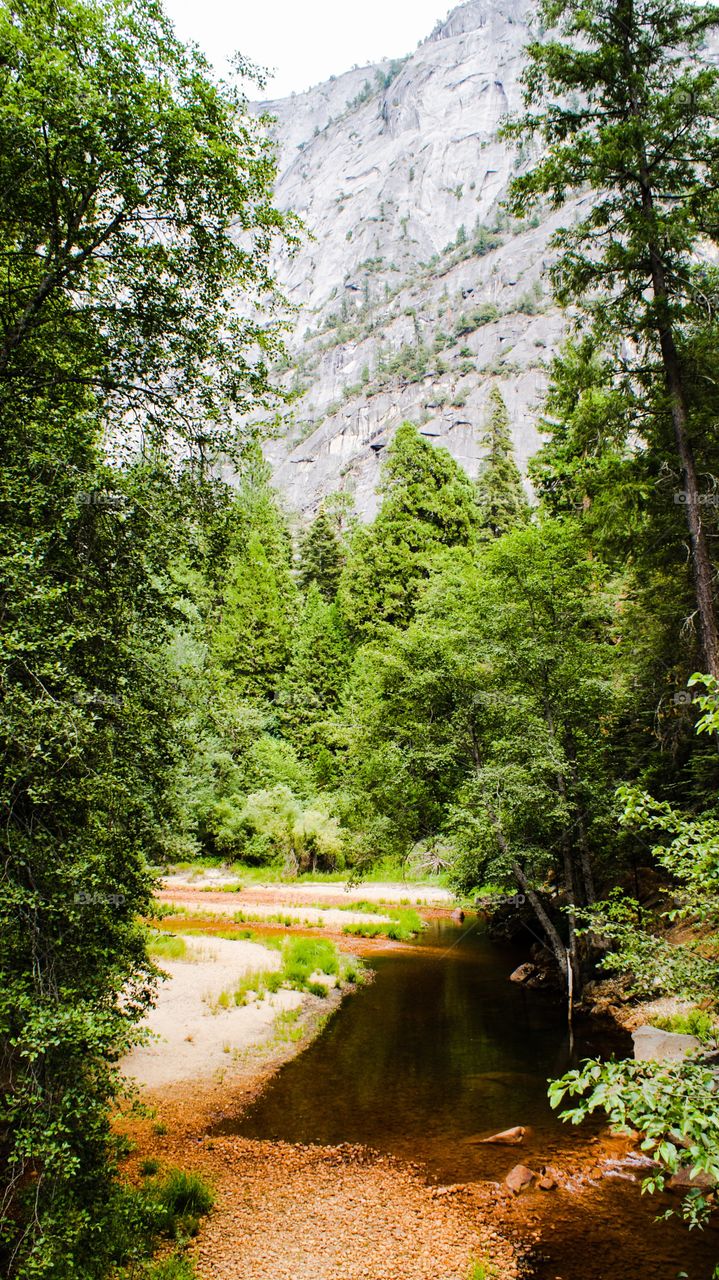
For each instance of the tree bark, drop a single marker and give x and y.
(671, 362)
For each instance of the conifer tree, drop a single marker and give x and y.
(311, 686)
(502, 500)
(621, 103)
(428, 506)
(321, 557)
(251, 640)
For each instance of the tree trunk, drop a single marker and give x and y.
(701, 559)
(559, 950)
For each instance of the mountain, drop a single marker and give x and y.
(415, 293)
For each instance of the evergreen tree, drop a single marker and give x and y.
(321, 557)
(428, 507)
(641, 131)
(252, 633)
(311, 686)
(502, 501)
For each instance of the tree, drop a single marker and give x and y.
(123, 168)
(321, 557)
(641, 131)
(476, 727)
(673, 1106)
(502, 500)
(428, 507)
(310, 689)
(251, 635)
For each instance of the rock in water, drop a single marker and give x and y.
(524, 973)
(683, 1181)
(653, 1045)
(507, 1138)
(547, 1182)
(521, 1179)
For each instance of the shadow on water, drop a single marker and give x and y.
(441, 1048)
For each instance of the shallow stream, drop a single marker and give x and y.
(440, 1049)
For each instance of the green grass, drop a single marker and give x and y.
(177, 1267)
(269, 940)
(479, 1270)
(167, 947)
(405, 924)
(261, 982)
(301, 958)
(286, 1028)
(277, 917)
(148, 1168)
(304, 956)
(694, 1023)
(175, 1202)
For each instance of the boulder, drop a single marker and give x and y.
(507, 1138)
(525, 973)
(653, 1045)
(521, 1179)
(683, 1181)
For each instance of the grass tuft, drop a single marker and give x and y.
(405, 924)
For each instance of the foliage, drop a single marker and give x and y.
(428, 505)
(675, 1108)
(321, 556)
(640, 131)
(110, 130)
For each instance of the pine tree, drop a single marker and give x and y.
(251, 637)
(311, 686)
(428, 506)
(641, 130)
(322, 557)
(502, 501)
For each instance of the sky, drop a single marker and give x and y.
(305, 40)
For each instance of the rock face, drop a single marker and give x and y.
(416, 294)
(653, 1045)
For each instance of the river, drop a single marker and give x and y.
(441, 1048)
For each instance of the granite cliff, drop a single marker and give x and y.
(415, 292)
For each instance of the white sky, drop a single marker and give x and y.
(305, 40)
